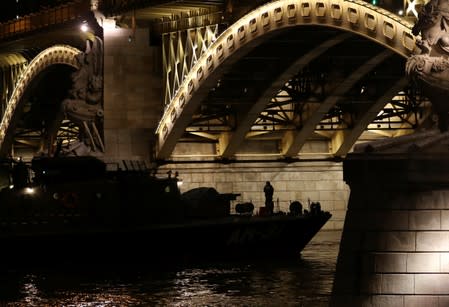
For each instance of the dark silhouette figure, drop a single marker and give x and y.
(315, 208)
(296, 208)
(269, 190)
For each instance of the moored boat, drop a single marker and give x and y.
(80, 209)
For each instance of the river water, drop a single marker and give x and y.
(305, 281)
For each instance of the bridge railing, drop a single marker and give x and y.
(42, 19)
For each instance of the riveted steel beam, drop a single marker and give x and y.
(343, 140)
(11, 66)
(228, 149)
(58, 54)
(292, 143)
(354, 16)
(180, 52)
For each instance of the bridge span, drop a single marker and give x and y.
(283, 80)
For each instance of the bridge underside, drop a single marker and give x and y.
(296, 93)
(40, 100)
(306, 92)
(41, 104)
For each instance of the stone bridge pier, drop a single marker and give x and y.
(395, 243)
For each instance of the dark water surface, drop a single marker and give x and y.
(305, 281)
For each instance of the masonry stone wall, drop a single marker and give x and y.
(132, 93)
(394, 249)
(317, 181)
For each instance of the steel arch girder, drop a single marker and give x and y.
(228, 147)
(58, 54)
(293, 143)
(343, 140)
(372, 22)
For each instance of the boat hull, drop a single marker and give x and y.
(77, 210)
(234, 237)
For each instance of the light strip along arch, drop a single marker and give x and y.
(355, 16)
(58, 54)
(11, 66)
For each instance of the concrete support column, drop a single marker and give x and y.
(395, 242)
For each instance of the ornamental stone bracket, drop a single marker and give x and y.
(430, 67)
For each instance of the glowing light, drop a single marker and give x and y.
(410, 6)
(400, 12)
(29, 190)
(109, 24)
(84, 27)
(179, 183)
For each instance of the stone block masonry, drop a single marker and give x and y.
(317, 181)
(132, 93)
(395, 242)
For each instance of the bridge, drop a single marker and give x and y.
(231, 93)
(288, 87)
(283, 80)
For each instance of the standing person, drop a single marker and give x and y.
(269, 190)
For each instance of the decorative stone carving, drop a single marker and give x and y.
(84, 106)
(433, 23)
(431, 65)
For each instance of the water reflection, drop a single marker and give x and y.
(306, 281)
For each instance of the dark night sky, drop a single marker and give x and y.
(9, 9)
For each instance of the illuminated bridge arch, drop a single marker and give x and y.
(355, 16)
(58, 54)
